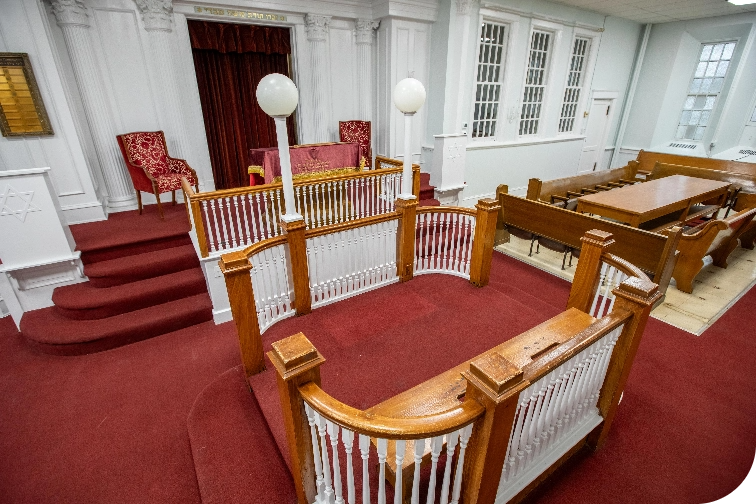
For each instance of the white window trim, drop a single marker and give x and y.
(590, 65)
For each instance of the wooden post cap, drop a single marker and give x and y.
(495, 372)
(402, 204)
(488, 204)
(294, 355)
(639, 290)
(234, 261)
(289, 226)
(597, 237)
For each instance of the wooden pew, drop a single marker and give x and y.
(577, 185)
(651, 252)
(717, 238)
(646, 160)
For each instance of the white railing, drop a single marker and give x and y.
(272, 286)
(328, 202)
(344, 263)
(554, 411)
(444, 241)
(614, 271)
(347, 445)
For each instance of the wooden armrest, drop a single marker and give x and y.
(559, 198)
(603, 187)
(589, 191)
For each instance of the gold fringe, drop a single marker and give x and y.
(256, 170)
(327, 173)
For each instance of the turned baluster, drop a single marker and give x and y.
(588, 271)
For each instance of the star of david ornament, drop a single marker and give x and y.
(16, 203)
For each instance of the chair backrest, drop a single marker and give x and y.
(355, 131)
(147, 149)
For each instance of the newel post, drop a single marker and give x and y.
(296, 256)
(297, 362)
(405, 238)
(496, 383)
(416, 181)
(483, 241)
(588, 271)
(637, 295)
(236, 270)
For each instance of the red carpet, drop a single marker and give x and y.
(145, 281)
(112, 426)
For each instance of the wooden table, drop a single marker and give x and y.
(639, 203)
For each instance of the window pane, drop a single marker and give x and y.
(685, 117)
(722, 68)
(690, 132)
(535, 82)
(700, 100)
(704, 118)
(488, 86)
(709, 102)
(574, 80)
(728, 50)
(689, 102)
(716, 53)
(680, 132)
(706, 52)
(695, 117)
(699, 133)
(716, 86)
(695, 86)
(700, 69)
(705, 85)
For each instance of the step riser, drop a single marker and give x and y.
(135, 303)
(106, 254)
(156, 271)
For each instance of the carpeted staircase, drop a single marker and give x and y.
(144, 281)
(427, 191)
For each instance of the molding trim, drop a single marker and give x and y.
(70, 12)
(541, 17)
(317, 27)
(156, 14)
(364, 30)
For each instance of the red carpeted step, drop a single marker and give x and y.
(424, 178)
(240, 462)
(141, 266)
(108, 253)
(54, 334)
(429, 202)
(85, 302)
(427, 192)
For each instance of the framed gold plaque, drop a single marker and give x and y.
(22, 112)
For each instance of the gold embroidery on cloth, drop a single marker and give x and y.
(312, 165)
(258, 170)
(328, 173)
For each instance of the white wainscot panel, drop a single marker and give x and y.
(125, 69)
(343, 85)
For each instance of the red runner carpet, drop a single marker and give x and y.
(112, 426)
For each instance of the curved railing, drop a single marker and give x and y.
(444, 240)
(614, 271)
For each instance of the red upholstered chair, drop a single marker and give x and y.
(150, 166)
(358, 132)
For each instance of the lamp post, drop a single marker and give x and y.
(409, 96)
(278, 97)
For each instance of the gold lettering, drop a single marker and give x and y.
(198, 9)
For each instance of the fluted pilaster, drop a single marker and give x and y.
(157, 16)
(73, 19)
(317, 34)
(364, 34)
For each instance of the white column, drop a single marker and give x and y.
(364, 32)
(317, 34)
(157, 17)
(457, 74)
(282, 136)
(407, 164)
(73, 19)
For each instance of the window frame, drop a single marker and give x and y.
(586, 77)
(501, 82)
(548, 70)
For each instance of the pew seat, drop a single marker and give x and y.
(717, 238)
(567, 188)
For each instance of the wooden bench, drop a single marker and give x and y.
(717, 238)
(653, 253)
(646, 161)
(578, 185)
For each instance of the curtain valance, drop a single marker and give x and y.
(233, 38)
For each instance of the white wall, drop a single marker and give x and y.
(670, 60)
(24, 28)
(509, 158)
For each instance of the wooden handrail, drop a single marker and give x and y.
(195, 215)
(230, 260)
(420, 427)
(624, 266)
(447, 209)
(343, 226)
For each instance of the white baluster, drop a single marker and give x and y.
(436, 445)
(319, 484)
(210, 233)
(451, 444)
(254, 204)
(216, 231)
(247, 235)
(418, 453)
(463, 439)
(365, 453)
(400, 446)
(231, 229)
(333, 433)
(328, 492)
(347, 437)
(226, 240)
(382, 445)
(265, 212)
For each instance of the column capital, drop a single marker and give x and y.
(317, 26)
(156, 14)
(463, 6)
(70, 12)
(364, 29)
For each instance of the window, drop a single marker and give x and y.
(488, 80)
(705, 86)
(535, 83)
(574, 84)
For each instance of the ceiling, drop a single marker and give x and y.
(660, 11)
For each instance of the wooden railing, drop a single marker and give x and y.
(305, 268)
(529, 404)
(230, 219)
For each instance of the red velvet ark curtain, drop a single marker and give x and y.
(230, 60)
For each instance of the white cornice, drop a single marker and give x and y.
(541, 17)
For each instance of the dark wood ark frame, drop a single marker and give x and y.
(9, 98)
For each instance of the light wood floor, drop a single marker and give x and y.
(715, 289)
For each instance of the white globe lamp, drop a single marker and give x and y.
(409, 96)
(278, 97)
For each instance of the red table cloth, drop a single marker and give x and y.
(306, 160)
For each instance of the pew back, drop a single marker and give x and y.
(746, 182)
(651, 252)
(646, 161)
(543, 189)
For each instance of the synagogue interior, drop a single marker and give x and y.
(371, 251)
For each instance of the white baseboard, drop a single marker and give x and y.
(222, 316)
(84, 212)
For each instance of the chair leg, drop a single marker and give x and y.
(160, 206)
(531, 246)
(571, 255)
(173, 197)
(564, 257)
(139, 201)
